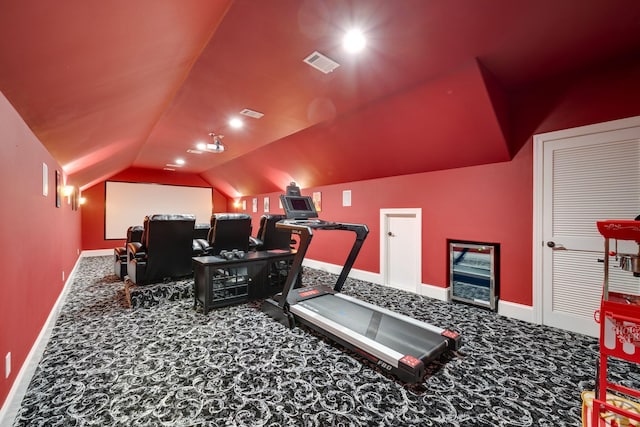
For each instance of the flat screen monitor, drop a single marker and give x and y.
(298, 207)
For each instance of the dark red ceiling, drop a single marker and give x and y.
(109, 85)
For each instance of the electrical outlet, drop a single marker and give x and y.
(7, 365)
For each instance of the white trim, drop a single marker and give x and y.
(11, 405)
(516, 311)
(505, 308)
(435, 292)
(367, 276)
(384, 214)
(538, 193)
(97, 252)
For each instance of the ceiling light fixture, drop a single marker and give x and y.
(354, 41)
(180, 162)
(236, 123)
(215, 146)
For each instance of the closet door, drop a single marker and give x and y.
(586, 177)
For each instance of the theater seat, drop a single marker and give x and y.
(134, 234)
(164, 251)
(200, 234)
(269, 237)
(228, 231)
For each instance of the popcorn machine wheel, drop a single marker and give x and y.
(619, 324)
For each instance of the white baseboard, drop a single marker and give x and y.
(97, 252)
(435, 292)
(11, 405)
(367, 276)
(505, 308)
(516, 311)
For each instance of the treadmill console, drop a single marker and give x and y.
(298, 207)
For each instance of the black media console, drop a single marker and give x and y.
(219, 282)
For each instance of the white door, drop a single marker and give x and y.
(400, 252)
(588, 174)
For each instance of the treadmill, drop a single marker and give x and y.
(396, 343)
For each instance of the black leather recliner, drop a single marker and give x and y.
(200, 234)
(269, 237)
(134, 234)
(164, 251)
(228, 231)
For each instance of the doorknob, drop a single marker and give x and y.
(555, 246)
(390, 234)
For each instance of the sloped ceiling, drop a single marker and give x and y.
(110, 85)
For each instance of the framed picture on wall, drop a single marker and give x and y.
(255, 204)
(266, 204)
(58, 189)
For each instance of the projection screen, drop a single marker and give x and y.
(127, 203)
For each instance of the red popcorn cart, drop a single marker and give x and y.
(619, 318)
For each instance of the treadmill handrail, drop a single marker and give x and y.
(306, 234)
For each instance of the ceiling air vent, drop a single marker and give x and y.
(251, 113)
(321, 62)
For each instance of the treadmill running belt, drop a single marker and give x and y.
(403, 337)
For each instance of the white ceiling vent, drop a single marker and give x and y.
(321, 62)
(251, 113)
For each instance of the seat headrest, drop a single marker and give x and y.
(230, 216)
(171, 217)
(276, 217)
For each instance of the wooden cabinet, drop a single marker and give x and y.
(219, 282)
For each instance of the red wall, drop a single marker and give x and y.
(94, 208)
(483, 203)
(40, 241)
(491, 202)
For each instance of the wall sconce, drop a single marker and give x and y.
(82, 200)
(67, 190)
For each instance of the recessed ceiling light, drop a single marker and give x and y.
(235, 123)
(354, 41)
(180, 162)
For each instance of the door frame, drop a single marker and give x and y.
(538, 194)
(384, 268)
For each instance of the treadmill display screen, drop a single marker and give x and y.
(300, 204)
(298, 207)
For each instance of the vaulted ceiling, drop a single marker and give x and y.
(110, 85)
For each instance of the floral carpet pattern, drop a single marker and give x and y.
(170, 365)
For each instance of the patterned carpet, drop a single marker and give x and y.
(168, 365)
